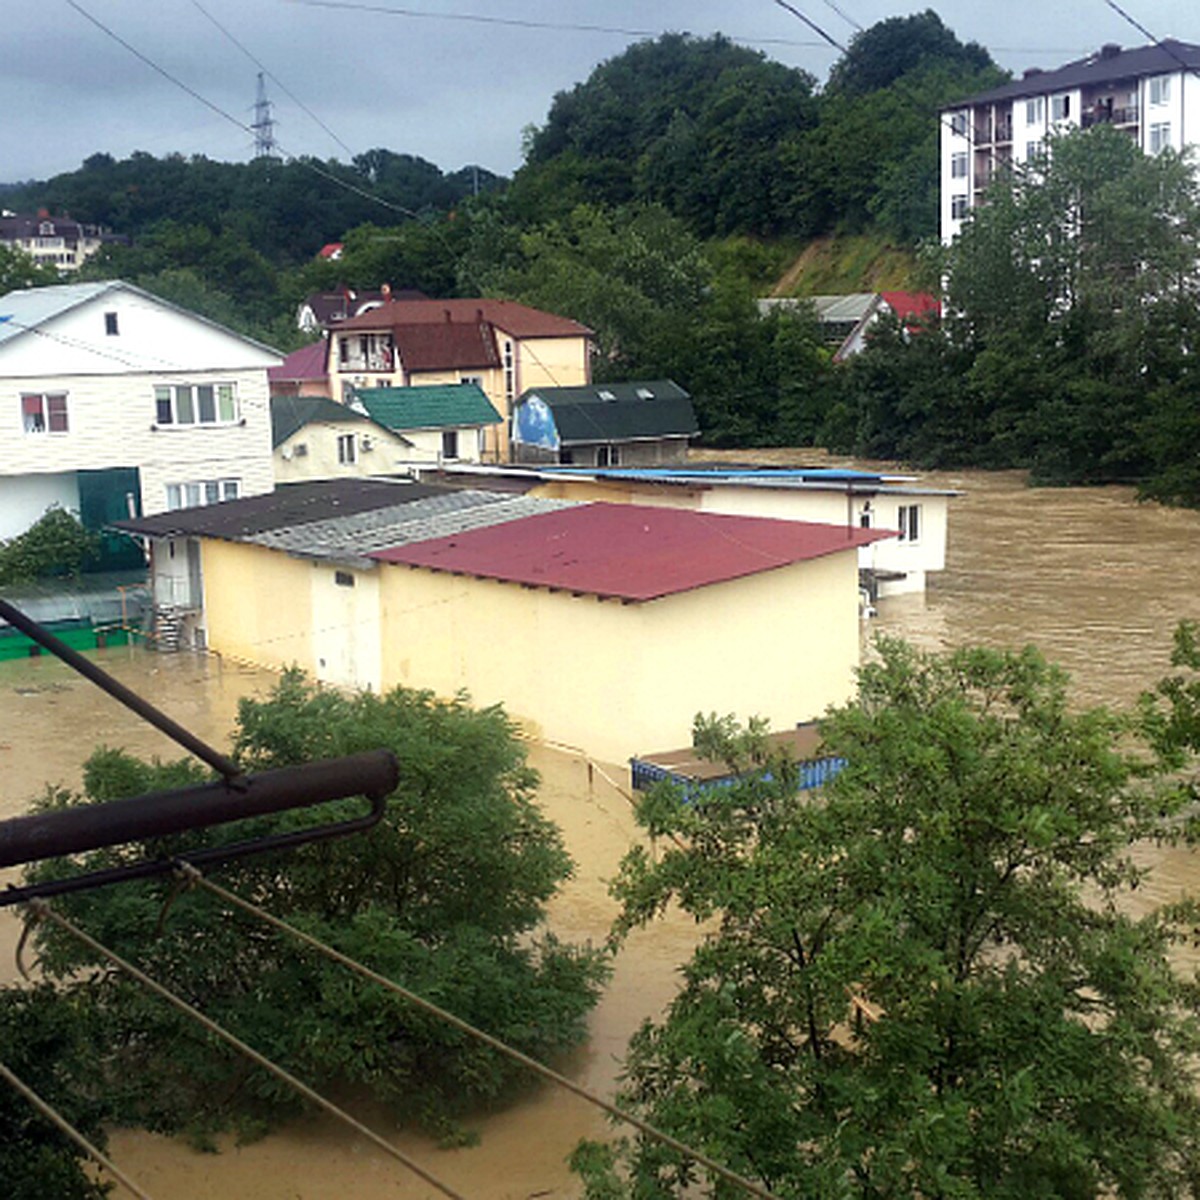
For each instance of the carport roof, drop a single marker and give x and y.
(629, 552)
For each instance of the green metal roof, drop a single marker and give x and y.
(292, 413)
(430, 406)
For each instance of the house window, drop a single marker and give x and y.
(449, 443)
(958, 207)
(110, 324)
(343, 578)
(1160, 137)
(1160, 89)
(958, 123)
(347, 449)
(44, 413)
(195, 404)
(1035, 110)
(477, 380)
(910, 522)
(1060, 108)
(958, 165)
(608, 456)
(198, 492)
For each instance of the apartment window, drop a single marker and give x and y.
(1160, 89)
(958, 165)
(958, 123)
(449, 443)
(1033, 151)
(958, 207)
(44, 413)
(1060, 108)
(195, 404)
(1035, 110)
(1160, 137)
(198, 492)
(110, 324)
(910, 522)
(347, 449)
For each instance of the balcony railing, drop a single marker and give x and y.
(1110, 116)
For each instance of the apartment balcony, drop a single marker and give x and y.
(1105, 115)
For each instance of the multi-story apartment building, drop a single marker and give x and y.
(1151, 93)
(57, 242)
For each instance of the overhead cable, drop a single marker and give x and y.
(651, 1131)
(42, 911)
(64, 1126)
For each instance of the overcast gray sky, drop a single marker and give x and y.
(421, 78)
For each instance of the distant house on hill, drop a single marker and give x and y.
(114, 402)
(57, 242)
(500, 345)
(314, 437)
(320, 311)
(643, 423)
(846, 319)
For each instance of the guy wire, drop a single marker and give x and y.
(730, 1176)
(43, 910)
(64, 1126)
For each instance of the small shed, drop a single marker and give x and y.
(642, 423)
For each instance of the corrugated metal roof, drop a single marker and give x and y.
(428, 406)
(629, 552)
(294, 504)
(31, 307)
(355, 537)
(301, 365)
(614, 412)
(444, 346)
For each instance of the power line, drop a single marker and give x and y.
(195, 877)
(845, 17)
(273, 77)
(522, 23)
(42, 911)
(64, 1126)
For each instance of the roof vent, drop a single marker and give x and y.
(606, 395)
(1110, 50)
(645, 394)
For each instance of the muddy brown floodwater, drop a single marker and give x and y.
(1093, 578)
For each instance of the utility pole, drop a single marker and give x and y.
(263, 124)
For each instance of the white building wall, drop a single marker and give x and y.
(25, 500)
(109, 381)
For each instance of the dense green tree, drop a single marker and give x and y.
(43, 1043)
(56, 544)
(18, 271)
(447, 896)
(920, 982)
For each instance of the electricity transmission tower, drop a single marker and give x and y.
(263, 124)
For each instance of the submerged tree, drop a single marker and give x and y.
(920, 982)
(446, 896)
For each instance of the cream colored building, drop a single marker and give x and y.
(315, 438)
(601, 627)
(502, 346)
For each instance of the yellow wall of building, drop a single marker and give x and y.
(258, 604)
(620, 679)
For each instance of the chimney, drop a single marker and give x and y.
(1110, 50)
(1032, 72)
(43, 213)
(386, 291)
(447, 312)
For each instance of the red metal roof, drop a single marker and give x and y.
(307, 363)
(519, 320)
(912, 306)
(627, 551)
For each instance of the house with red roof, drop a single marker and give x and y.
(502, 346)
(601, 627)
(847, 319)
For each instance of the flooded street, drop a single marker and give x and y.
(1094, 579)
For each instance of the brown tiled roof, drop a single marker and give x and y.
(518, 320)
(445, 346)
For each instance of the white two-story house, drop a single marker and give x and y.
(1151, 94)
(114, 403)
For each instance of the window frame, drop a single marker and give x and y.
(347, 449)
(52, 410)
(959, 165)
(173, 400)
(1160, 132)
(909, 523)
(1160, 90)
(227, 487)
(1035, 110)
(960, 205)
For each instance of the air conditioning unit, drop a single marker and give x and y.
(302, 450)
(366, 443)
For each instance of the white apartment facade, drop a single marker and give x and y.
(1151, 93)
(117, 403)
